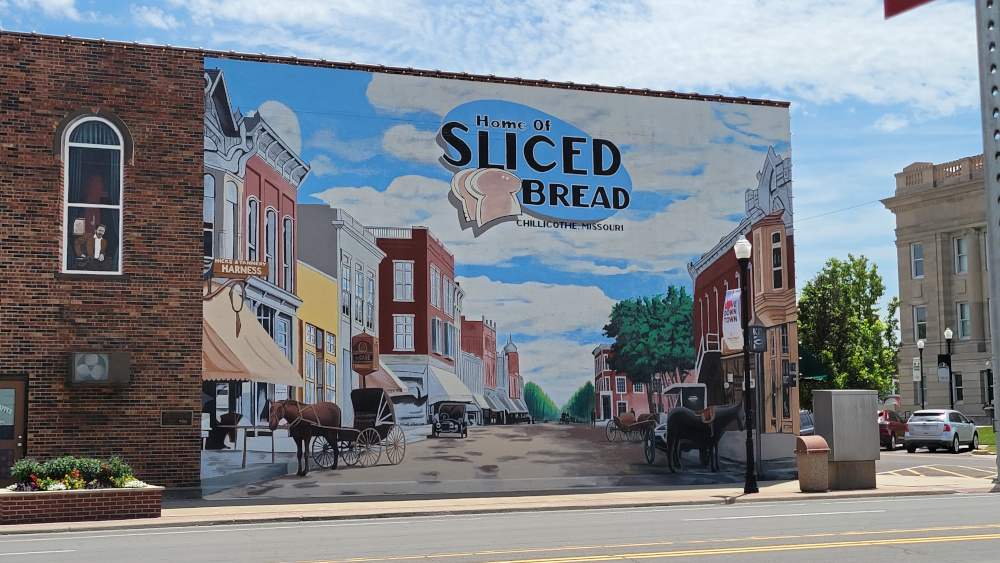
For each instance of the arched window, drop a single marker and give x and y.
(209, 237)
(92, 156)
(253, 228)
(287, 236)
(229, 246)
(271, 244)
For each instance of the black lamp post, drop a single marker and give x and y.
(743, 249)
(920, 348)
(951, 388)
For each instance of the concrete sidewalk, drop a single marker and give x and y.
(202, 512)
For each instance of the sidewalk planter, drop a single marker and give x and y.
(79, 505)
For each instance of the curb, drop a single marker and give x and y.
(327, 512)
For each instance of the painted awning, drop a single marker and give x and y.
(446, 386)
(521, 407)
(250, 356)
(481, 401)
(493, 398)
(386, 379)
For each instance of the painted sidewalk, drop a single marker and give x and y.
(201, 512)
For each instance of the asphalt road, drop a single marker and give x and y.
(918, 528)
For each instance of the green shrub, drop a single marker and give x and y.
(59, 467)
(23, 469)
(117, 469)
(89, 468)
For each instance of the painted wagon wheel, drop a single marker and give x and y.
(322, 452)
(395, 444)
(611, 430)
(348, 452)
(368, 447)
(649, 446)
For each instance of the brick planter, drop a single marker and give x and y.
(79, 504)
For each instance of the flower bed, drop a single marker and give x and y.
(71, 489)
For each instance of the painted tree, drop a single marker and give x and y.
(540, 406)
(652, 335)
(581, 403)
(840, 324)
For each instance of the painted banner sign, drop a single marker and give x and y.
(732, 327)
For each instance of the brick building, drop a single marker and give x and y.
(83, 146)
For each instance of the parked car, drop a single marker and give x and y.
(940, 428)
(891, 429)
(450, 418)
(806, 423)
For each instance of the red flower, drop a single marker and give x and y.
(33, 477)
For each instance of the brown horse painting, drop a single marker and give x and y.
(305, 420)
(686, 424)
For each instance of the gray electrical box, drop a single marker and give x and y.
(848, 420)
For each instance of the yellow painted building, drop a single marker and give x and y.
(318, 320)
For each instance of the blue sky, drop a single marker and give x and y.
(868, 96)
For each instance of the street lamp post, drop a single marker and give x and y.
(742, 249)
(920, 348)
(951, 388)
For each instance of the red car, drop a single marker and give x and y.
(891, 429)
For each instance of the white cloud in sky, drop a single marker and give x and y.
(154, 17)
(53, 8)
(890, 122)
(322, 165)
(352, 150)
(406, 142)
(284, 121)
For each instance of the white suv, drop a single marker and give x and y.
(933, 429)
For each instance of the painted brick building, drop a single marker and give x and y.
(96, 134)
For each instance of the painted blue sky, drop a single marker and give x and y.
(868, 97)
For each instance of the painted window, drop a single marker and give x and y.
(776, 267)
(310, 334)
(310, 367)
(93, 153)
(402, 280)
(282, 335)
(956, 381)
(253, 229)
(622, 407)
(919, 322)
(403, 333)
(287, 253)
(961, 255)
(370, 301)
(435, 286)
(620, 385)
(331, 344)
(917, 260)
(449, 340)
(209, 216)
(270, 244)
(964, 321)
(784, 338)
(345, 287)
(637, 387)
(331, 382)
(265, 315)
(448, 296)
(229, 215)
(359, 293)
(435, 335)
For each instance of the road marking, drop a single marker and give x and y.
(41, 552)
(781, 515)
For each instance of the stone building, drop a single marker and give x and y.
(943, 283)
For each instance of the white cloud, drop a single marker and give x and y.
(321, 165)
(409, 143)
(890, 122)
(285, 123)
(153, 17)
(53, 8)
(352, 150)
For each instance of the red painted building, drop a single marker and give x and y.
(479, 338)
(615, 393)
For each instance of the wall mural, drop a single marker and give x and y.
(531, 259)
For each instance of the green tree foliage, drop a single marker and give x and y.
(581, 403)
(540, 406)
(839, 323)
(652, 335)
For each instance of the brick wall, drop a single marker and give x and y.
(80, 505)
(153, 311)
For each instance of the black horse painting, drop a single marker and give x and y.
(304, 420)
(686, 424)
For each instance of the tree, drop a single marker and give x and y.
(581, 403)
(839, 324)
(540, 406)
(652, 335)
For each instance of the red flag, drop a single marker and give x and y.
(896, 7)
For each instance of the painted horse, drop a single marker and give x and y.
(305, 420)
(686, 424)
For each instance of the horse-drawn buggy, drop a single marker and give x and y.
(374, 430)
(629, 428)
(686, 430)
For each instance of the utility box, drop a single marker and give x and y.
(848, 420)
(812, 455)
